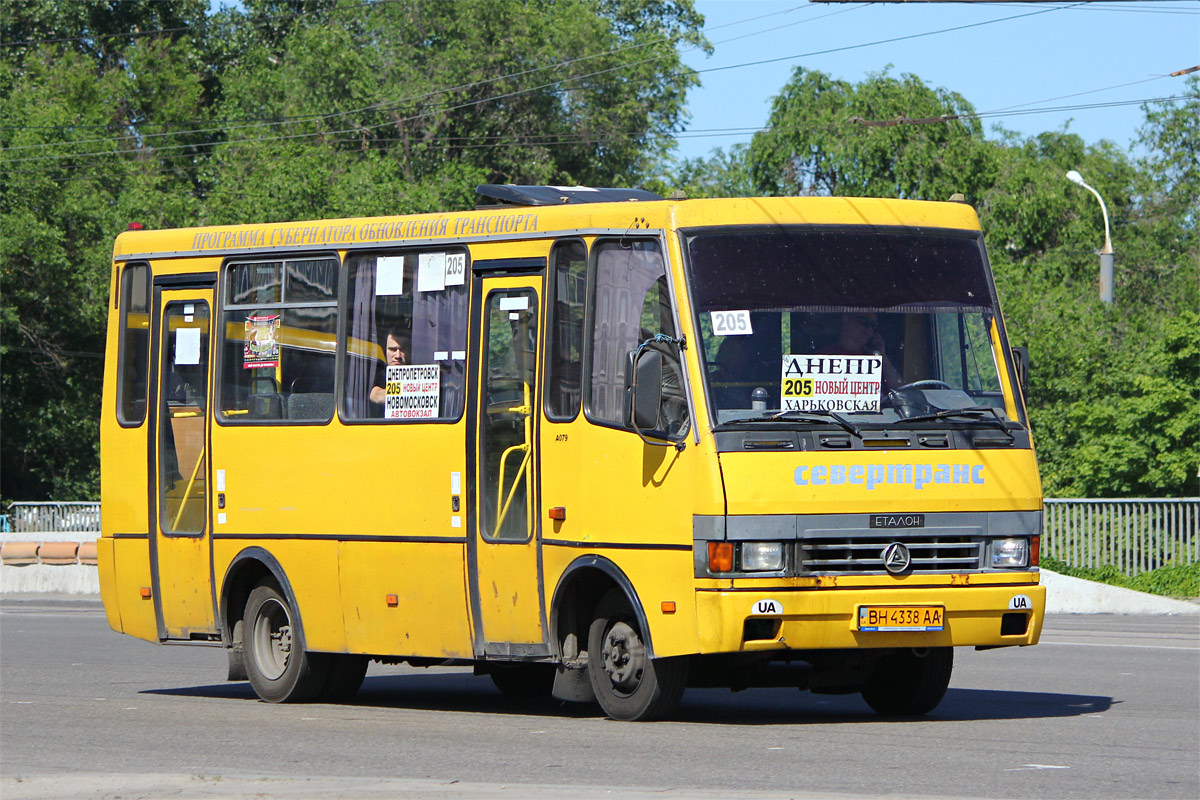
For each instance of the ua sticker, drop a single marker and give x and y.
(763, 607)
(1020, 602)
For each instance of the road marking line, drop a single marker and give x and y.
(1035, 766)
(1134, 646)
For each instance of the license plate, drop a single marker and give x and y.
(900, 618)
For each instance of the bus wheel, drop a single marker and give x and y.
(346, 673)
(910, 682)
(279, 669)
(527, 681)
(630, 685)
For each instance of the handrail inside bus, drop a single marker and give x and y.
(503, 502)
(191, 482)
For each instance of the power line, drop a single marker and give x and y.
(508, 95)
(458, 144)
(391, 104)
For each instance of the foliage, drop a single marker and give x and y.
(1171, 580)
(163, 113)
(830, 137)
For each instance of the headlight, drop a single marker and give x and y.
(762, 556)
(1010, 552)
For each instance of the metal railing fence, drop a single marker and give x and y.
(52, 518)
(1133, 535)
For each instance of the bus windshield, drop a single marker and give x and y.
(874, 325)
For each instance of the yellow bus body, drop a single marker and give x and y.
(371, 531)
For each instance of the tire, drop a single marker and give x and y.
(910, 682)
(629, 685)
(279, 669)
(345, 677)
(526, 681)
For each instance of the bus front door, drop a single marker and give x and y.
(180, 552)
(508, 614)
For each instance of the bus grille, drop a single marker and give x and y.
(854, 554)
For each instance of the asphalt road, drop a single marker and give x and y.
(1105, 707)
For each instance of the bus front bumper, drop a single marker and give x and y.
(781, 618)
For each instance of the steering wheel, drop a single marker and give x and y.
(926, 384)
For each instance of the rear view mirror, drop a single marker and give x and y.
(644, 384)
(1021, 364)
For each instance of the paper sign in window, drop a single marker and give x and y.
(431, 272)
(456, 269)
(517, 303)
(731, 323)
(187, 346)
(817, 382)
(413, 391)
(261, 348)
(389, 275)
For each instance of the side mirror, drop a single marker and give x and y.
(643, 389)
(1021, 364)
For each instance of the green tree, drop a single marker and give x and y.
(832, 137)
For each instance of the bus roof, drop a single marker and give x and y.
(503, 222)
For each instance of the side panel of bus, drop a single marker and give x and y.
(627, 505)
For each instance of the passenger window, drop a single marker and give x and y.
(406, 336)
(134, 357)
(631, 304)
(567, 290)
(279, 341)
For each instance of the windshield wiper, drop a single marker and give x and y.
(978, 413)
(816, 417)
(819, 416)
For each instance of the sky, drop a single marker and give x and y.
(1050, 56)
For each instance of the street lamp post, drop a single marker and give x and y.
(1106, 255)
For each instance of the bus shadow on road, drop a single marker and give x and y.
(784, 706)
(463, 692)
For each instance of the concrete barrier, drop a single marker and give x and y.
(49, 567)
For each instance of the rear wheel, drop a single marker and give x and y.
(279, 669)
(910, 682)
(628, 684)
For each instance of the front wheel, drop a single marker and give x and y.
(629, 685)
(910, 682)
(279, 669)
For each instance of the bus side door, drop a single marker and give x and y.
(181, 546)
(505, 568)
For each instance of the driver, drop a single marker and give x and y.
(859, 336)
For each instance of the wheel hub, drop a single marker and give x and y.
(624, 657)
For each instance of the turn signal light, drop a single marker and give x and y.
(720, 556)
(145, 591)
(1035, 551)
(558, 512)
(668, 606)
(392, 600)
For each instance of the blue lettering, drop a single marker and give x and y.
(801, 480)
(923, 474)
(837, 475)
(818, 475)
(876, 474)
(977, 474)
(856, 474)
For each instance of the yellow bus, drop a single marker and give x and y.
(595, 443)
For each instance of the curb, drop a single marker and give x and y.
(68, 568)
